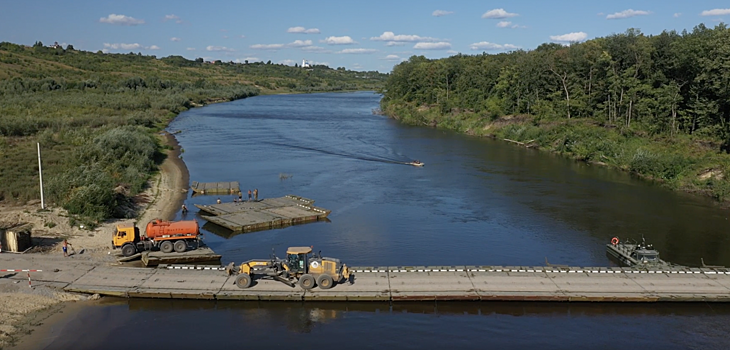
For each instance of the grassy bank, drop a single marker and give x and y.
(692, 163)
(96, 116)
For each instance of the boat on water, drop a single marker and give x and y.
(416, 163)
(634, 254)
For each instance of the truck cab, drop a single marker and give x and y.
(126, 237)
(297, 259)
(125, 233)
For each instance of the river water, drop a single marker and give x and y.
(476, 202)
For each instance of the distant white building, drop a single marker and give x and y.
(305, 64)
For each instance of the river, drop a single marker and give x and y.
(476, 202)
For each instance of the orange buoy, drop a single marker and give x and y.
(614, 240)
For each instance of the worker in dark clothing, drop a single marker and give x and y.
(249, 195)
(240, 196)
(184, 209)
(256, 194)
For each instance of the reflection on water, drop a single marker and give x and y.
(472, 325)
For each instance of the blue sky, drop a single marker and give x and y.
(362, 35)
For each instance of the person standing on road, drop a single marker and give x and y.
(65, 248)
(255, 194)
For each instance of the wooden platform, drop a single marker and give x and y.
(215, 187)
(264, 214)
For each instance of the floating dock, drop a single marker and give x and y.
(263, 214)
(215, 187)
(154, 258)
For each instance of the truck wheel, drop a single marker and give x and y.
(128, 249)
(181, 246)
(243, 281)
(325, 281)
(306, 282)
(166, 247)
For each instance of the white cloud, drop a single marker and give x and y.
(390, 36)
(338, 40)
(117, 46)
(392, 58)
(191, 49)
(219, 48)
(288, 62)
(570, 37)
(487, 46)
(504, 24)
(172, 18)
(357, 51)
(121, 20)
(442, 45)
(452, 52)
(498, 14)
(628, 13)
(676, 15)
(439, 13)
(175, 39)
(395, 43)
(123, 46)
(300, 43)
(715, 12)
(302, 30)
(267, 46)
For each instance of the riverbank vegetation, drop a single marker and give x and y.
(96, 116)
(655, 105)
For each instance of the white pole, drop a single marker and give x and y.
(40, 175)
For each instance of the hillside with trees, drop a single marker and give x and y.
(655, 105)
(96, 116)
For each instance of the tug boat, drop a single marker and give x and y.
(633, 254)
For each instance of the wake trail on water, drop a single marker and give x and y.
(346, 155)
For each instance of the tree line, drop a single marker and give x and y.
(656, 105)
(672, 82)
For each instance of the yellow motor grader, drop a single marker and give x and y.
(300, 267)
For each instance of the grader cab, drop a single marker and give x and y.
(300, 267)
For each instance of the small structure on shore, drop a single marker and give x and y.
(16, 239)
(232, 187)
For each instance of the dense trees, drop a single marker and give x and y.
(672, 88)
(669, 82)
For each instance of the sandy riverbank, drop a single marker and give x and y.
(22, 309)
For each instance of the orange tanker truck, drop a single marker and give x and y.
(167, 236)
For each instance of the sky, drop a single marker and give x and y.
(357, 35)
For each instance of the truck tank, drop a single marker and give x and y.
(159, 228)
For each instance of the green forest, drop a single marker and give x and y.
(655, 105)
(97, 117)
